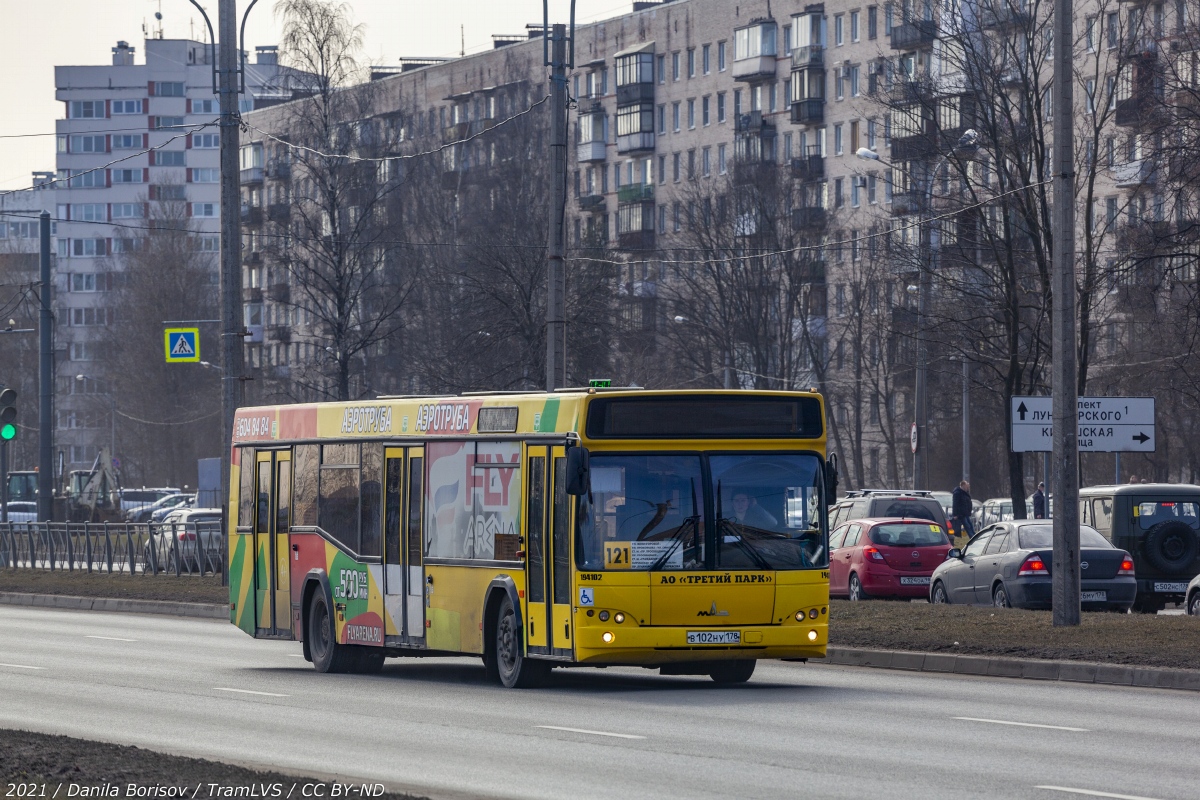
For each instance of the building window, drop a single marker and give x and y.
(839, 35)
(720, 56)
(837, 139)
(722, 164)
(205, 107)
(675, 167)
(706, 59)
(89, 212)
(86, 109)
(706, 161)
(170, 158)
(83, 282)
(205, 209)
(675, 66)
(206, 175)
(126, 107)
(691, 111)
(83, 351)
(127, 175)
(88, 317)
(872, 21)
(1114, 30)
(704, 111)
(662, 118)
(166, 123)
(720, 107)
(854, 26)
(87, 144)
(168, 89)
(691, 62)
(662, 69)
(126, 141)
(675, 116)
(89, 248)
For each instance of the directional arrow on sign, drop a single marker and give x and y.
(1021, 409)
(1141, 438)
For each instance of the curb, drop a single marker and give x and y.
(74, 603)
(1029, 668)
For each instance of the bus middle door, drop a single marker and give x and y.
(272, 511)
(403, 553)
(558, 554)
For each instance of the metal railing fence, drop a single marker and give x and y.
(129, 548)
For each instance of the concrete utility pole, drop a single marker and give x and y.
(966, 419)
(556, 276)
(231, 239)
(1065, 564)
(45, 383)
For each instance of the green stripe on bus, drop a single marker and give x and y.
(549, 415)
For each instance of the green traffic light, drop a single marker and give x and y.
(8, 431)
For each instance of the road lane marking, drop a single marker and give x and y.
(111, 638)
(1022, 724)
(20, 666)
(295, 655)
(249, 691)
(593, 733)
(1094, 793)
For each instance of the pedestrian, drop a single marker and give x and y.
(1039, 502)
(1134, 479)
(960, 509)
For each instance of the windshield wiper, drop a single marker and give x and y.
(747, 548)
(689, 523)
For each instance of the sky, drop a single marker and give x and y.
(37, 35)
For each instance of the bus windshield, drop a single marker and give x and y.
(656, 512)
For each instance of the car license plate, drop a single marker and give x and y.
(1093, 597)
(714, 637)
(920, 580)
(1170, 587)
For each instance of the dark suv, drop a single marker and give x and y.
(863, 503)
(1159, 525)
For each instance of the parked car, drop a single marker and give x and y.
(1159, 524)
(945, 500)
(1000, 509)
(136, 499)
(1008, 565)
(886, 503)
(180, 502)
(885, 557)
(196, 533)
(165, 504)
(1193, 597)
(22, 511)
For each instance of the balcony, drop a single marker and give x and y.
(251, 175)
(592, 202)
(633, 94)
(253, 258)
(252, 215)
(808, 112)
(279, 212)
(280, 170)
(589, 151)
(914, 35)
(812, 272)
(455, 132)
(809, 56)
(759, 172)
(758, 68)
(1003, 14)
(1134, 174)
(279, 333)
(252, 294)
(808, 218)
(749, 123)
(910, 148)
(635, 142)
(904, 203)
(279, 292)
(1139, 110)
(635, 193)
(808, 168)
(636, 240)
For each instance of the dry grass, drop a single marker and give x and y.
(1135, 639)
(61, 761)
(186, 588)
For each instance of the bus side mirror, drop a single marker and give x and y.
(578, 460)
(831, 478)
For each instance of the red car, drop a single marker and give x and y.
(885, 557)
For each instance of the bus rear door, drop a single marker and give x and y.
(403, 549)
(272, 520)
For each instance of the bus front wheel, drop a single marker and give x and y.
(513, 668)
(733, 671)
(327, 654)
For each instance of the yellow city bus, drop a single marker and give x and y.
(679, 530)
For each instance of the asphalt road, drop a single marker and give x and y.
(205, 689)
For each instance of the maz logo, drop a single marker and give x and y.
(712, 612)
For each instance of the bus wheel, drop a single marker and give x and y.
(514, 669)
(733, 671)
(327, 654)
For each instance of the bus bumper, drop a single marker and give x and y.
(643, 646)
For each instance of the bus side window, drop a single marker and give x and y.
(534, 525)
(338, 500)
(246, 488)
(370, 491)
(562, 534)
(391, 528)
(306, 458)
(262, 518)
(283, 511)
(416, 497)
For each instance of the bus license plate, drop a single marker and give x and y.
(714, 637)
(1093, 597)
(920, 580)
(1170, 587)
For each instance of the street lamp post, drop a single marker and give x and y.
(927, 264)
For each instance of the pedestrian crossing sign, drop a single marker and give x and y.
(182, 344)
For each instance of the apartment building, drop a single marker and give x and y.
(854, 110)
(134, 133)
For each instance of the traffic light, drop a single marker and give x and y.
(8, 415)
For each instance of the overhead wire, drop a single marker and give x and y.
(86, 133)
(191, 129)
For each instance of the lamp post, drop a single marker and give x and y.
(927, 264)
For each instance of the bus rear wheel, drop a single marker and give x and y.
(733, 671)
(514, 669)
(327, 654)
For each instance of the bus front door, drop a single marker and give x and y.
(558, 562)
(272, 520)
(403, 547)
(537, 610)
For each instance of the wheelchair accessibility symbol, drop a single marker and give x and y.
(586, 596)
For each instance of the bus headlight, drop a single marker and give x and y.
(608, 637)
(618, 618)
(812, 613)
(604, 616)
(800, 615)
(812, 636)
